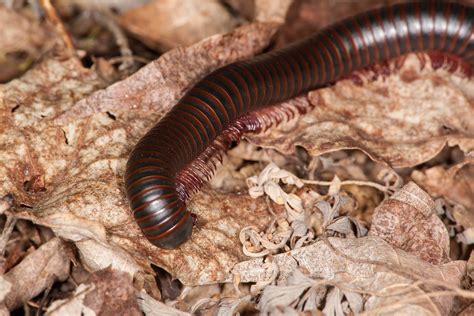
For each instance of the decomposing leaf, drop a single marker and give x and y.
(369, 266)
(113, 293)
(106, 292)
(36, 272)
(402, 119)
(152, 307)
(116, 5)
(408, 220)
(74, 305)
(272, 10)
(455, 184)
(21, 44)
(166, 24)
(33, 151)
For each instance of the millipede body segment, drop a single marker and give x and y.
(228, 93)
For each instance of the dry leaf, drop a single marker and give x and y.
(408, 220)
(297, 284)
(113, 5)
(272, 10)
(167, 24)
(34, 152)
(106, 292)
(364, 265)
(23, 40)
(73, 306)
(402, 119)
(113, 293)
(455, 184)
(152, 307)
(36, 272)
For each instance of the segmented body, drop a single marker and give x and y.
(226, 94)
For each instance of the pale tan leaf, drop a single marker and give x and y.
(152, 307)
(455, 184)
(72, 306)
(408, 220)
(167, 24)
(370, 265)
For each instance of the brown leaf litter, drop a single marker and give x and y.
(22, 44)
(35, 273)
(159, 85)
(106, 292)
(364, 265)
(408, 220)
(167, 24)
(64, 144)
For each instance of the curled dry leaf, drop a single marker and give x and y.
(289, 294)
(159, 85)
(152, 307)
(455, 184)
(36, 272)
(272, 10)
(167, 24)
(408, 220)
(370, 265)
(23, 39)
(19, 33)
(74, 305)
(402, 119)
(113, 293)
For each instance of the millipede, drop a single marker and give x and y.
(178, 154)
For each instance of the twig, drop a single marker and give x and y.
(7, 230)
(53, 17)
(351, 182)
(119, 59)
(6, 202)
(107, 20)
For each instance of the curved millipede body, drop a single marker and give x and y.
(225, 95)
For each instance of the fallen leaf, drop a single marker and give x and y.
(34, 152)
(455, 184)
(362, 265)
(152, 307)
(74, 305)
(408, 220)
(113, 293)
(401, 119)
(36, 272)
(167, 24)
(114, 5)
(23, 39)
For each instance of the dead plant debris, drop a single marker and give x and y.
(363, 205)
